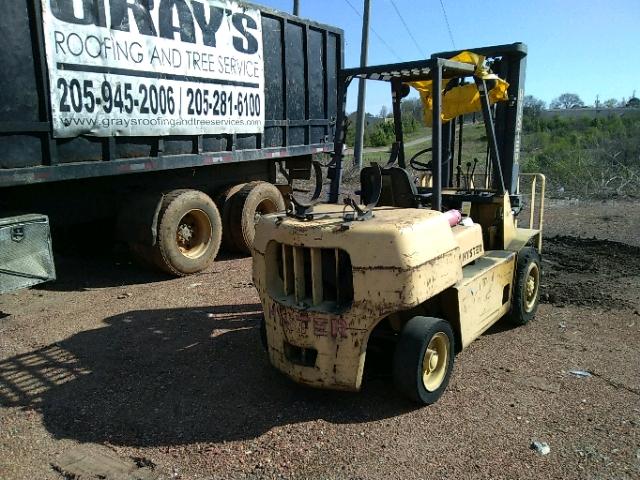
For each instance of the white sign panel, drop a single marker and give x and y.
(154, 67)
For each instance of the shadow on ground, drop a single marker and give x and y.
(88, 256)
(101, 262)
(81, 271)
(166, 377)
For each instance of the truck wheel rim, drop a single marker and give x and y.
(435, 361)
(194, 233)
(265, 207)
(532, 284)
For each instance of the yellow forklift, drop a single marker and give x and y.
(428, 263)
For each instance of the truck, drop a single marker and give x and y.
(427, 254)
(180, 122)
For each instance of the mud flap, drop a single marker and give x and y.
(138, 220)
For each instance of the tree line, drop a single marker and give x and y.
(379, 130)
(533, 105)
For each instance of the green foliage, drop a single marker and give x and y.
(381, 135)
(585, 156)
(379, 131)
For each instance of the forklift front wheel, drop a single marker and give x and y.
(423, 359)
(526, 287)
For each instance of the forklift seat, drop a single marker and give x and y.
(398, 189)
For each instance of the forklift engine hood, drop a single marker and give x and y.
(325, 283)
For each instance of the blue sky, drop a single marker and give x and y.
(588, 47)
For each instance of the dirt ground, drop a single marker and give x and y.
(119, 369)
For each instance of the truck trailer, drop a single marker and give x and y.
(175, 119)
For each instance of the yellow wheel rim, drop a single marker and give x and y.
(531, 286)
(194, 233)
(435, 361)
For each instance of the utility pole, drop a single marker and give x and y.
(296, 7)
(362, 89)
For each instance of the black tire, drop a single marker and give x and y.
(524, 302)
(255, 198)
(411, 352)
(223, 201)
(263, 334)
(189, 233)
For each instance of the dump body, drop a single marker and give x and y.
(278, 78)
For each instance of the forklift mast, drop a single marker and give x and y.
(503, 122)
(510, 65)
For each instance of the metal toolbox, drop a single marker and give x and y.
(26, 257)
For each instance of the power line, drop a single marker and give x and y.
(415, 42)
(446, 20)
(375, 33)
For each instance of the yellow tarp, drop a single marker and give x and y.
(463, 99)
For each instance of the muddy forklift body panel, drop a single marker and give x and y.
(363, 275)
(394, 262)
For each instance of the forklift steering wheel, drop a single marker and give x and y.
(420, 166)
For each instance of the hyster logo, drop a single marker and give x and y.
(472, 252)
(92, 12)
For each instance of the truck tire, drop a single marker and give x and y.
(423, 359)
(223, 201)
(526, 287)
(189, 233)
(246, 206)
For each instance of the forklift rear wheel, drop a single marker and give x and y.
(246, 207)
(189, 232)
(526, 287)
(423, 359)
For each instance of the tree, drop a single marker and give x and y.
(384, 112)
(381, 135)
(633, 102)
(414, 107)
(567, 100)
(611, 103)
(532, 106)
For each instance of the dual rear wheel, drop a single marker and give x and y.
(242, 207)
(191, 229)
(189, 233)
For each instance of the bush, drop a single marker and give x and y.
(584, 156)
